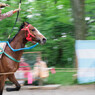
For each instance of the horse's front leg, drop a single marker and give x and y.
(13, 79)
(2, 83)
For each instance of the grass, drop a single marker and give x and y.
(63, 78)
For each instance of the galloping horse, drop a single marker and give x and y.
(18, 41)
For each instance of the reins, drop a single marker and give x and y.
(26, 48)
(8, 55)
(15, 20)
(28, 38)
(7, 73)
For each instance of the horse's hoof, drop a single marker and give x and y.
(12, 89)
(9, 89)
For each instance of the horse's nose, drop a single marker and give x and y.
(44, 40)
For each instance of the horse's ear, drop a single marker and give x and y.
(25, 23)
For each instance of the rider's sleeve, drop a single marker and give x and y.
(5, 15)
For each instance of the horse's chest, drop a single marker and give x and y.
(9, 65)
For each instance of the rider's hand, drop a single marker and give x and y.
(16, 10)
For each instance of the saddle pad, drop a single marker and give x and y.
(2, 45)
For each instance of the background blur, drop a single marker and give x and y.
(54, 19)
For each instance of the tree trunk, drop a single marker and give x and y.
(79, 19)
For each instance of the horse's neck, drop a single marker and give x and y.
(18, 41)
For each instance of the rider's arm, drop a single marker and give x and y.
(8, 14)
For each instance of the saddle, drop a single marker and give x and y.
(2, 45)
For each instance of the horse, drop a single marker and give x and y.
(26, 33)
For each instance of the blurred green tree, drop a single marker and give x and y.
(54, 19)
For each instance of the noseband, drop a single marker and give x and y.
(29, 37)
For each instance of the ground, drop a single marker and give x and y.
(63, 90)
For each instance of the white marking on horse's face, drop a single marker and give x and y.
(37, 31)
(39, 37)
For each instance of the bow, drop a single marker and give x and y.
(15, 20)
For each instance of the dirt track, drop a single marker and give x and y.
(64, 90)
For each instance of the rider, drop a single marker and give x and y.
(8, 14)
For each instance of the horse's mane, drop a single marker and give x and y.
(22, 25)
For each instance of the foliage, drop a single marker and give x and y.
(90, 18)
(54, 19)
(63, 78)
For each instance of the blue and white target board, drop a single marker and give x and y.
(85, 52)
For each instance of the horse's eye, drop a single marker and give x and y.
(33, 29)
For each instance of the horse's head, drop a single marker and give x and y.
(32, 34)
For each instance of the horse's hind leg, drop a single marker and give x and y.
(13, 79)
(2, 83)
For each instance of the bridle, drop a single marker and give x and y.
(29, 35)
